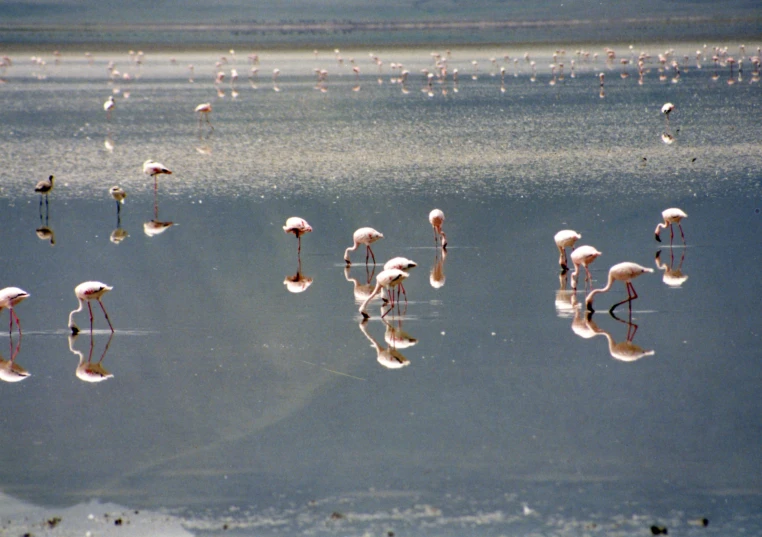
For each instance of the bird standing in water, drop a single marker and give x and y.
(9, 298)
(85, 292)
(297, 226)
(386, 279)
(44, 187)
(583, 256)
(436, 219)
(671, 216)
(366, 236)
(623, 272)
(565, 239)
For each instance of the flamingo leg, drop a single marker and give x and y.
(671, 234)
(299, 243)
(679, 225)
(371, 254)
(106, 314)
(10, 325)
(18, 323)
(628, 299)
(90, 309)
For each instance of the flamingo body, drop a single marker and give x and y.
(117, 193)
(436, 219)
(400, 263)
(153, 168)
(109, 105)
(85, 292)
(366, 236)
(623, 272)
(583, 256)
(10, 297)
(386, 279)
(45, 186)
(667, 108)
(671, 216)
(565, 239)
(297, 226)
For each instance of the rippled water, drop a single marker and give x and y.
(237, 403)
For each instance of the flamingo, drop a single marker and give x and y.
(85, 292)
(9, 298)
(44, 187)
(108, 106)
(624, 272)
(401, 263)
(671, 216)
(366, 236)
(10, 371)
(153, 168)
(297, 226)
(436, 219)
(583, 256)
(565, 239)
(386, 279)
(118, 194)
(666, 110)
(203, 110)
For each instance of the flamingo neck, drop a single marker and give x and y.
(376, 290)
(71, 322)
(601, 290)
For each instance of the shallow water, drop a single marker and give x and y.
(234, 401)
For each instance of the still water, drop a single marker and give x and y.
(489, 403)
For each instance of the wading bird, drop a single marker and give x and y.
(436, 219)
(297, 226)
(203, 110)
(44, 187)
(9, 298)
(108, 106)
(366, 236)
(154, 169)
(386, 279)
(401, 263)
(118, 194)
(583, 256)
(85, 292)
(623, 272)
(565, 239)
(671, 216)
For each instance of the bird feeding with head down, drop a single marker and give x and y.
(366, 236)
(671, 216)
(565, 239)
(623, 272)
(386, 279)
(86, 292)
(436, 219)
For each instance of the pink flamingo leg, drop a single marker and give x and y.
(681, 231)
(90, 309)
(106, 314)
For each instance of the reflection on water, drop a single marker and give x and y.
(673, 275)
(437, 276)
(388, 357)
(565, 297)
(624, 351)
(10, 371)
(87, 370)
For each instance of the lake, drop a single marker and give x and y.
(488, 402)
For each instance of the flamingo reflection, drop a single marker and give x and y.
(396, 337)
(298, 283)
(361, 290)
(437, 276)
(388, 357)
(155, 226)
(10, 371)
(624, 351)
(672, 276)
(87, 370)
(45, 232)
(565, 297)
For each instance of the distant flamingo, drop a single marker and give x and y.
(583, 256)
(671, 216)
(366, 236)
(624, 272)
(386, 279)
(666, 110)
(9, 298)
(44, 187)
(297, 226)
(108, 106)
(436, 219)
(85, 292)
(118, 194)
(203, 110)
(565, 239)
(153, 168)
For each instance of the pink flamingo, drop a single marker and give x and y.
(436, 219)
(10, 297)
(671, 216)
(108, 106)
(203, 110)
(366, 236)
(565, 239)
(401, 263)
(386, 279)
(583, 256)
(297, 226)
(85, 292)
(624, 272)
